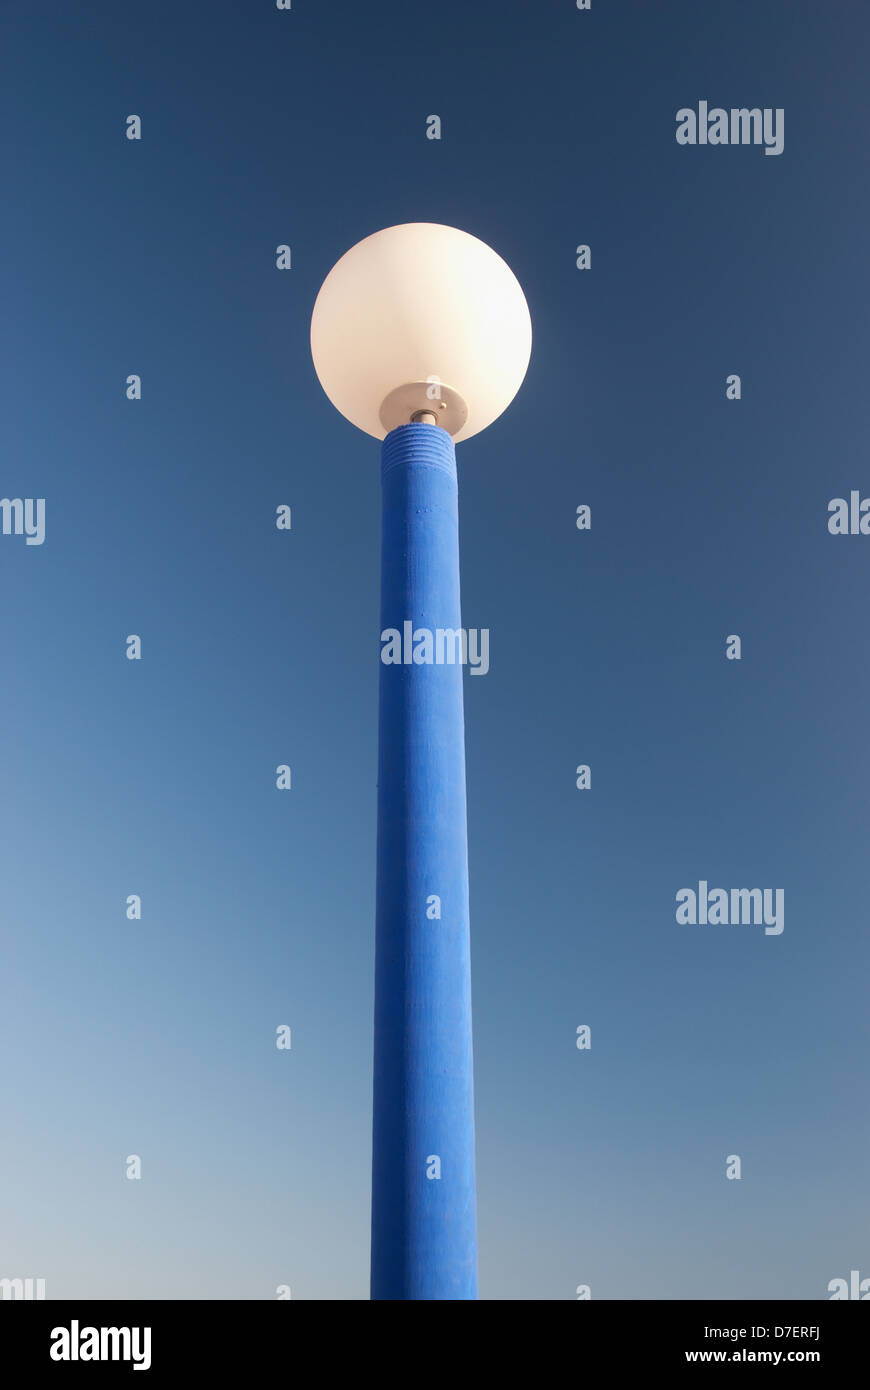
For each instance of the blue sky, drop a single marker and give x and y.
(260, 647)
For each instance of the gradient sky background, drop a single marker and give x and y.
(260, 647)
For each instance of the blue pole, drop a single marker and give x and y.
(424, 1217)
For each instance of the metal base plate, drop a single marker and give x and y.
(448, 406)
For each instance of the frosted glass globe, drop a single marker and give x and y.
(421, 316)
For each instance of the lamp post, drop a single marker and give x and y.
(421, 336)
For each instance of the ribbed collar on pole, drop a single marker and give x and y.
(418, 445)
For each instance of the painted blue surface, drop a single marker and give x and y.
(424, 1228)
